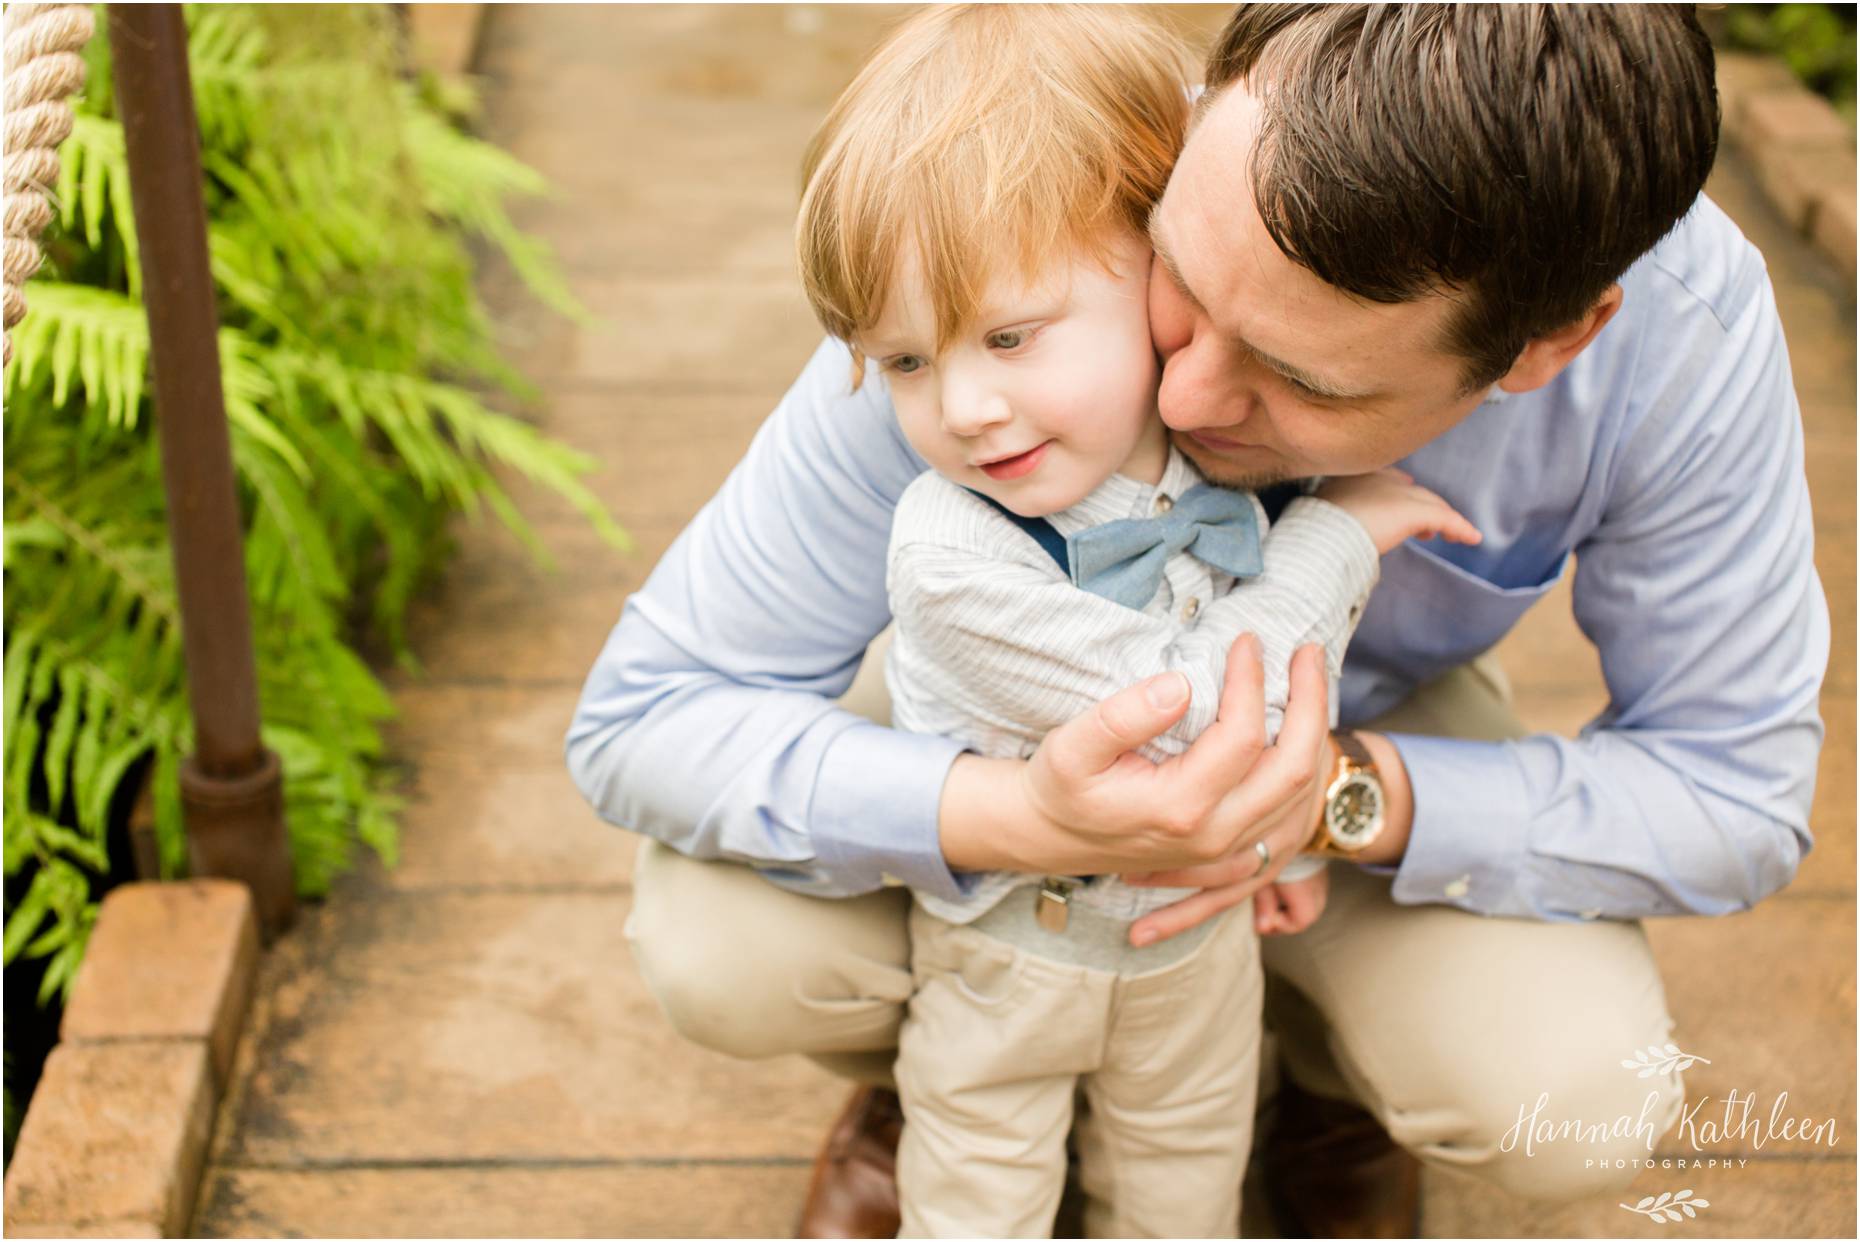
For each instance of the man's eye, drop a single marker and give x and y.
(904, 364)
(1012, 338)
(1306, 392)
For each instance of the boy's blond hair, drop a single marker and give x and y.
(982, 136)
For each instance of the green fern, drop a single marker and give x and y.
(359, 380)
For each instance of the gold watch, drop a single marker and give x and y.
(1354, 805)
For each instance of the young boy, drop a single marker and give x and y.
(973, 226)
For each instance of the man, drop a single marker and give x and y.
(1434, 235)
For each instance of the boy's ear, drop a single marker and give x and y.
(1544, 357)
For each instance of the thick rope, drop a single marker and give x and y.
(44, 69)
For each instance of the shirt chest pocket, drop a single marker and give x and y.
(1437, 614)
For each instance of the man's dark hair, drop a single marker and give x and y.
(1522, 155)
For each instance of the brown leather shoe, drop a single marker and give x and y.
(1332, 1171)
(854, 1193)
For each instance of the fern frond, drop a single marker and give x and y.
(468, 181)
(352, 347)
(139, 573)
(93, 182)
(91, 342)
(514, 443)
(247, 268)
(226, 53)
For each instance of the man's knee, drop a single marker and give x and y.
(1579, 1127)
(748, 970)
(701, 988)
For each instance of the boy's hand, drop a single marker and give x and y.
(1285, 908)
(1392, 507)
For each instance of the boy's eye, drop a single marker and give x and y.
(904, 364)
(1011, 338)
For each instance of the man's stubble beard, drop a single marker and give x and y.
(1225, 474)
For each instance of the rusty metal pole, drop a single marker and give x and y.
(232, 791)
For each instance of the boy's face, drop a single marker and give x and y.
(1047, 394)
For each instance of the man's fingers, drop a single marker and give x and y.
(1279, 791)
(1172, 920)
(1230, 870)
(1092, 742)
(1293, 757)
(1228, 747)
(1223, 884)
(1240, 867)
(1308, 691)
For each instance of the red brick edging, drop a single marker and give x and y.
(116, 1134)
(1802, 151)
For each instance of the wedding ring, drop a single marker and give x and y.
(1265, 855)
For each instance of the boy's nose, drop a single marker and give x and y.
(969, 410)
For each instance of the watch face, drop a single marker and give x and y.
(1354, 812)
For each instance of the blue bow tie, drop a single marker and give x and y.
(1123, 561)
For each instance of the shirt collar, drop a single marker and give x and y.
(1121, 496)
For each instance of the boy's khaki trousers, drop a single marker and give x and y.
(1446, 1025)
(998, 1040)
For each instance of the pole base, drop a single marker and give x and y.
(235, 829)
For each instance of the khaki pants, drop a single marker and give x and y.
(997, 1040)
(1444, 1024)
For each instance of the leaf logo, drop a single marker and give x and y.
(1668, 1207)
(1658, 1059)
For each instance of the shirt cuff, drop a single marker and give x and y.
(874, 816)
(1467, 845)
(1302, 867)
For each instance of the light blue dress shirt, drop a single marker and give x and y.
(1667, 458)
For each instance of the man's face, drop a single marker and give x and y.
(1269, 373)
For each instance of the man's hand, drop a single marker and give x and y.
(1229, 880)
(1086, 805)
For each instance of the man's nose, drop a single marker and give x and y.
(1204, 385)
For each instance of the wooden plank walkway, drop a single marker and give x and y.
(461, 1047)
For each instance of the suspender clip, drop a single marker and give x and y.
(1054, 898)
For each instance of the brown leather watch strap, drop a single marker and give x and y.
(1353, 748)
